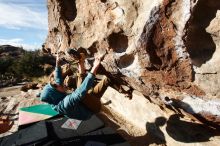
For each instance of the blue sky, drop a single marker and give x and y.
(23, 23)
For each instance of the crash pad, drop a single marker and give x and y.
(65, 128)
(31, 114)
(102, 137)
(31, 135)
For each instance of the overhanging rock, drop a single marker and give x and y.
(148, 45)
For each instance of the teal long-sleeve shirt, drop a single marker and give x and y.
(68, 104)
(58, 76)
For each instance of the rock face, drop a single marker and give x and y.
(165, 49)
(206, 59)
(143, 123)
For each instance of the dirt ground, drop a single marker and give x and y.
(10, 91)
(11, 99)
(172, 130)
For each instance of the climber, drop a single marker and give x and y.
(71, 105)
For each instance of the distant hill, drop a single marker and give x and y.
(17, 64)
(8, 50)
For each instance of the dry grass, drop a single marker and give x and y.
(41, 80)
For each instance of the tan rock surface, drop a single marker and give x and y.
(208, 75)
(144, 123)
(151, 45)
(167, 50)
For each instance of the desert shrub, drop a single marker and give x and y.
(5, 63)
(29, 64)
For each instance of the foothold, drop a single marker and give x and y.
(110, 24)
(55, 30)
(3, 98)
(69, 11)
(103, 1)
(118, 42)
(92, 49)
(167, 98)
(126, 61)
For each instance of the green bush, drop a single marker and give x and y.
(5, 63)
(28, 65)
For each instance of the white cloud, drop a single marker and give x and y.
(18, 42)
(20, 16)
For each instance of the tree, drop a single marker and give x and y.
(5, 63)
(29, 65)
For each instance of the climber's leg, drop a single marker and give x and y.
(100, 88)
(79, 79)
(92, 99)
(66, 71)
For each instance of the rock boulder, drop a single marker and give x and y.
(165, 49)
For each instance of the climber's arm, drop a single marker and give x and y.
(58, 72)
(81, 65)
(66, 106)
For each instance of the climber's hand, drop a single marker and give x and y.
(97, 61)
(96, 64)
(58, 60)
(82, 58)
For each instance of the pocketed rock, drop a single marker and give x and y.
(153, 46)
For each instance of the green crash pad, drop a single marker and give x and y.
(35, 113)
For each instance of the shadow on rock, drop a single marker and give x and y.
(154, 134)
(199, 43)
(188, 132)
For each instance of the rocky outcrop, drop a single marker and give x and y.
(204, 48)
(11, 100)
(150, 45)
(143, 123)
(10, 51)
